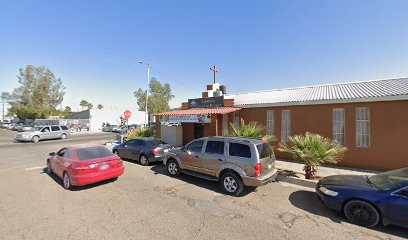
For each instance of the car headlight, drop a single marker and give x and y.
(328, 191)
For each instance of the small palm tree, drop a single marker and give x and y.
(100, 106)
(252, 129)
(314, 150)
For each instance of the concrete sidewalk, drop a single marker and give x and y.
(292, 172)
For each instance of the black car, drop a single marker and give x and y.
(144, 150)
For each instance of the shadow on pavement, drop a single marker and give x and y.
(78, 188)
(309, 201)
(202, 183)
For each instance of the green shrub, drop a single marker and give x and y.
(314, 150)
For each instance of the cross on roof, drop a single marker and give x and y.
(214, 69)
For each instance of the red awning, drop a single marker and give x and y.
(195, 111)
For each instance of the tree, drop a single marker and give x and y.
(314, 150)
(100, 106)
(89, 106)
(159, 97)
(39, 93)
(67, 109)
(83, 104)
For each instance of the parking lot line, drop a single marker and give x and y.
(34, 168)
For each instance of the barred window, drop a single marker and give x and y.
(270, 122)
(236, 118)
(363, 127)
(225, 131)
(285, 132)
(339, 125)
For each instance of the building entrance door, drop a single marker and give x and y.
(198, 130)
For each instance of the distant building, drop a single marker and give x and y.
(370, 118)
(96, 117)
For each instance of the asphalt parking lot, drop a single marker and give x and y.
(146, 203)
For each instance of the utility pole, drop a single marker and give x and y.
(147, 90)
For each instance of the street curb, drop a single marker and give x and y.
(297, 181)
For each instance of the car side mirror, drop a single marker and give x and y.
(51, 154)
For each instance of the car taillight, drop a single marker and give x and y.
(82, 166)
(155, 151)
(258, 168)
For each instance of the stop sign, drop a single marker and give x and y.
(127, 114)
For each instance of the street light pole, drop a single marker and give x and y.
(147, 90)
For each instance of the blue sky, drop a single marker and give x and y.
(94, 46)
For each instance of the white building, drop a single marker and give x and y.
(112, 116)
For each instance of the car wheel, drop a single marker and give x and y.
(63, 136)
(173, 168)
(144, 160)
(49, 170)
(361, 213)
(66, 181)
(232, 184)
(35, 139)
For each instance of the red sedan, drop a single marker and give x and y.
(84, 164)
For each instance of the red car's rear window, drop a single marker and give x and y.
(93, 152)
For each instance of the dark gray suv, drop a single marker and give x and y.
(234, 161)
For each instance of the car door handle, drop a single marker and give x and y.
(221, 160)
(197, 156)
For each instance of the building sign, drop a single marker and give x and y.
(200, 118)
(212, 102)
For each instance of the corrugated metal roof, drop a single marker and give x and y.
(378, 90)
(194, 111)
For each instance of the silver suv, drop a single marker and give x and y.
(42, 133)
(234, 161)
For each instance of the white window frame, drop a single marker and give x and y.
(363, 127)
(286, 126)
(236, 118)
(339, 125)
(225, 128)
(270, 122)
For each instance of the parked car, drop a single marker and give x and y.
(11, 126)
(108, 128)
(234, 161)
(367, 201)
(18, 127)
(5, 125)
(144, 150)
(42, 133)
(84, 164)
(116, 128)
(26, 128)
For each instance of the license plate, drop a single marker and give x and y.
(104, 167)
(166, 150)
(269, 166)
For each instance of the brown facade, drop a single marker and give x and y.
(388, 130)
(388, 123)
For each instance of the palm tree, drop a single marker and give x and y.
(83, 104)
(314, 150)
(89, 106)
(100, 106)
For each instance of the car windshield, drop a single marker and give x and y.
(390, 180)
(34, 129)
(156, 142)
(93, 152)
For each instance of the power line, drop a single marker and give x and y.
(179, 82)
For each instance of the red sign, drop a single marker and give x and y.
(127, 114)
